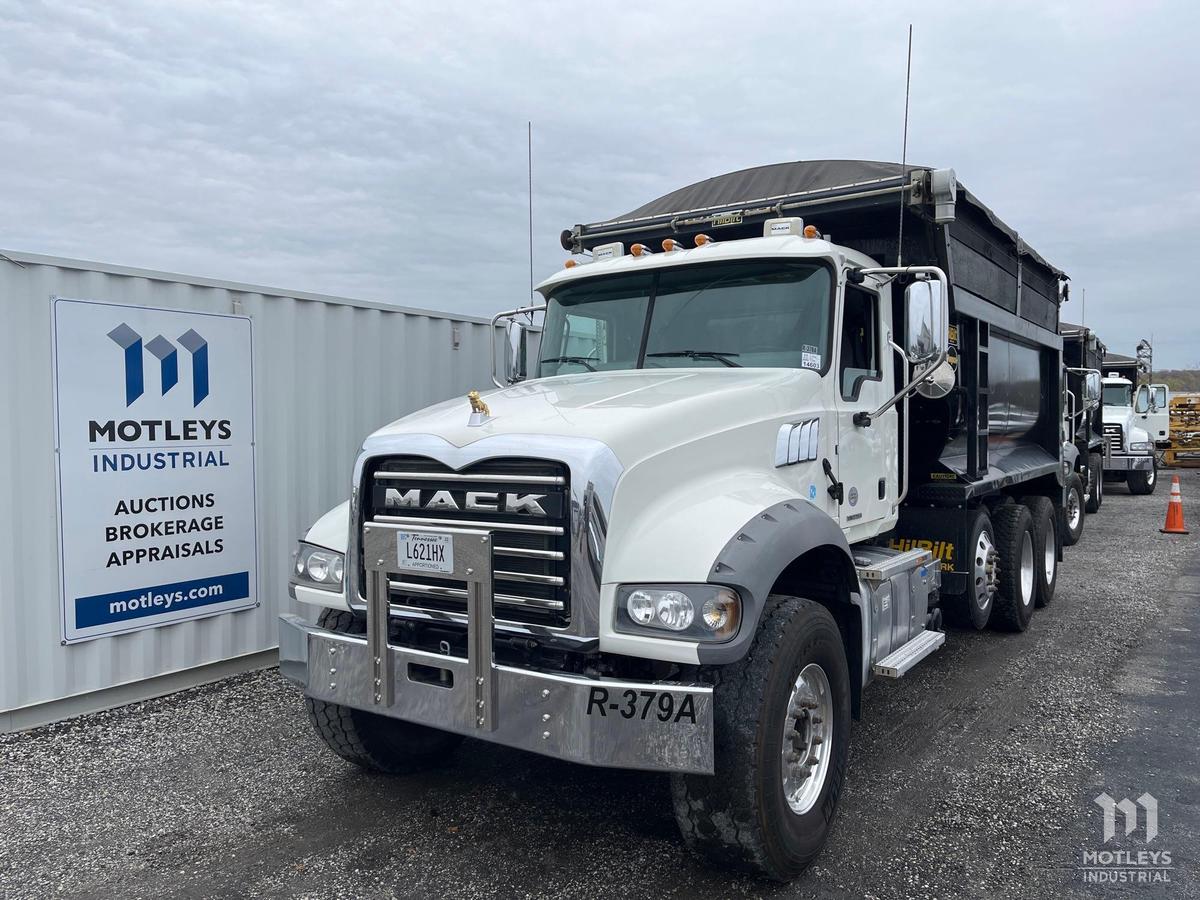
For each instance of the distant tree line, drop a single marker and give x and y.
(1179, 380)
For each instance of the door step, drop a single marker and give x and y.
(894, 665)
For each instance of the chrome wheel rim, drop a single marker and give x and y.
(986, 570)
(807, 739)
(1050, 554)
(1074, 510)
(1026, 569)
(1151, 475)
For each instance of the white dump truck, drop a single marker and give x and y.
(768, 442)
(1129, 447)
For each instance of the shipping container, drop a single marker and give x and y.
(326, 371)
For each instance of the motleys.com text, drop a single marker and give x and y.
(164, 601)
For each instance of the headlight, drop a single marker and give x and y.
(1141, 445)
(702, 612)
(318, 567)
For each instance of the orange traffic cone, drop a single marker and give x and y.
(1174, 523)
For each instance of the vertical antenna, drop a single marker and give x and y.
(1083, 311)
(529, 147)
(904, 150)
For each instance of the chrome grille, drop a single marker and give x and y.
(1112, 435)
(532, 551)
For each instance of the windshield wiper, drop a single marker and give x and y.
(719, 355)
(585, 361)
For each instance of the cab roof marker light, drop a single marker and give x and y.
(639, 250)
(703, 239)
(670, 245)
(811, 233)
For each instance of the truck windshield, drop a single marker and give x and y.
(717, 315)
(1118, 395)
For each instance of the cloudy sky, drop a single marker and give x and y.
(378, 149)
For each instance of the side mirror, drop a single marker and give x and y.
(1142, 403)
(1091, 390)
(516, 351)
(926, 321)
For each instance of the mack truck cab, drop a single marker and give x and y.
(751, 469)
(1129, 447)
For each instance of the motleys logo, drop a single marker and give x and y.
(168, 360)
(1130, 813)
(1127, 864)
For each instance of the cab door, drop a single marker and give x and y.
(866, 454)
(1142, 409)
(1158, 421)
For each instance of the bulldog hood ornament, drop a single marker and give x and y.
(479, 410)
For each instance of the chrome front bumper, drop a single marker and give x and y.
(1122, 463)
(600, 722)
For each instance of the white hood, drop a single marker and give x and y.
(635, 413)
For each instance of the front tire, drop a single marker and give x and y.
(781, 742)
(371, 741)
(1073, 514)
(1018, 565)
(1144, 482)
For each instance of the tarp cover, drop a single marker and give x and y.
(762, 182)
(771, 182)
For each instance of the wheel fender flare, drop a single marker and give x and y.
(756, 555)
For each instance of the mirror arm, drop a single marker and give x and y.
(496, 320)
(863, 419)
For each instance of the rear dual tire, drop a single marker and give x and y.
(1095, 495)
(1017, 585)
(1044, 518)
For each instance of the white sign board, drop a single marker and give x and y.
(155, 436)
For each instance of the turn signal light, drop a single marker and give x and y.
(639, 250)
(810, 231)
(702, 239)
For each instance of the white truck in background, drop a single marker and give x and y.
(755, 465)
(1129, 453)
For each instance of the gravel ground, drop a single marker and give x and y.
(973, 776)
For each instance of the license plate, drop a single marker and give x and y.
(418, 551)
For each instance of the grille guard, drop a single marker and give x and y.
(542, 712)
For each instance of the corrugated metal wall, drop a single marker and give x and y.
(327, 372)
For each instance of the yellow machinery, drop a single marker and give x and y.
(1184, 432)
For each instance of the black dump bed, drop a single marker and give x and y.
(1002, 423)
(1083, 349)
(1117, 365)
